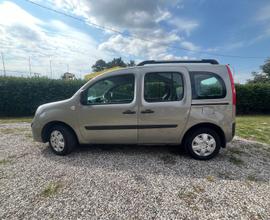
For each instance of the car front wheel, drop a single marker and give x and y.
(61, 140)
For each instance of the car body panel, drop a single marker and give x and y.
(107, 123)
(62, 111)
(172, 114)
(140, 128)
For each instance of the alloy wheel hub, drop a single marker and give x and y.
(57, 141)
(203, 144)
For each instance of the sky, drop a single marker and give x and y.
(233, 32)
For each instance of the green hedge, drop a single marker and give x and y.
(22, 96)
(253, 98)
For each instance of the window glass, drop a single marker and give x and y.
(112, 90)
(163, 87)
(207, 85)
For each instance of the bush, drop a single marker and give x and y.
(22, 96)
(253, 98)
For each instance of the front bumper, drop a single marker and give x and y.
(36, 131)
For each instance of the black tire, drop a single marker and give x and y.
(69, 138)
(195, 133)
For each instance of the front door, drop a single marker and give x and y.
(109, 114)
(164, 104)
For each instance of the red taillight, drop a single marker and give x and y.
(232, 85)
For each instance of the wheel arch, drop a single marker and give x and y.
(215, 127)
(46, 129)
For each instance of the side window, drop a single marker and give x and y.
(207, 85)
(112, 90)
(163, 87)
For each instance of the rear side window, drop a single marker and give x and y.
(163, 87)
(206, 85)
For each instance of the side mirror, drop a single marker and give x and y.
(83, 98)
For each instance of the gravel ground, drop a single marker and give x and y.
(130, 182)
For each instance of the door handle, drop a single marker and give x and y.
(129, 112)
(147, 111)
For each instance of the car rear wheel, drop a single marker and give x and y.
(203, 144)
(62, 141)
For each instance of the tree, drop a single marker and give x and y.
(262, 77)
(99, 65)
(116, 62)
(266, 67)
(259, 78)
(131, 63)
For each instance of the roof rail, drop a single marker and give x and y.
(210, 61)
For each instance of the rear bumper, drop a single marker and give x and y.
(233, 129)
(230, 132)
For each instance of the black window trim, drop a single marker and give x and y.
(171, 72)
(194, 94)
(104, 78)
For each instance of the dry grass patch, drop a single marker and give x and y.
(12, 130)
(235, 150)
(4, 161)
(210, 178)
(51, 189)
(236, 160)
(198, 189)
(7, 120)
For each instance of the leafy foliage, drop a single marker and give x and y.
(253, 98)
(101, 65)
(116, 62)
(266, 67)
(22, 96)
(259, 78)
(264, 76)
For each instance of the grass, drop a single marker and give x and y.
(15, 120)
(191, 196)
(210, 178)
(168, 160)
(11, 130)
(4, 161)
(198, 189)
(236, 151)
(51, 189)
(252, 178)
(254, 127)
(188, 197)
(225, 175)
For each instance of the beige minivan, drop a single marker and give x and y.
(188, 102)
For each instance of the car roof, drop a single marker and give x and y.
(205, 61)
(189, 64)
(173, 63)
